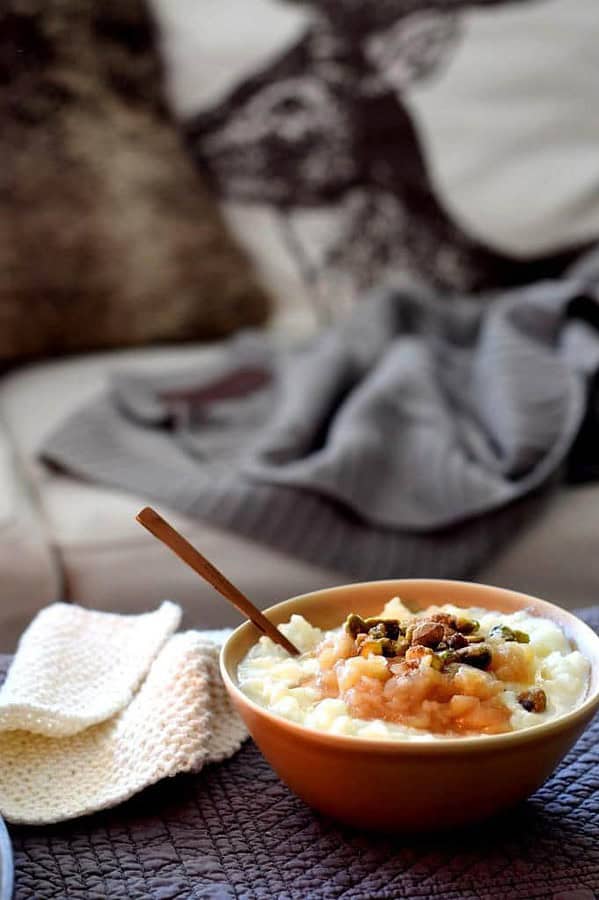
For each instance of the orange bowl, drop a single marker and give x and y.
(400, 784)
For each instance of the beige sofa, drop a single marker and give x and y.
(64, 539)
(60, 538)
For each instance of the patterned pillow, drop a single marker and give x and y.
(354, 143)
(108, 236)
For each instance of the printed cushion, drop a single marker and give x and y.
(356, 143)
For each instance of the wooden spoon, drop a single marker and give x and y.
(161, 529)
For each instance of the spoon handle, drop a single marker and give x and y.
(161, 529)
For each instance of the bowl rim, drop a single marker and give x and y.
(406, 746)
(6, 863)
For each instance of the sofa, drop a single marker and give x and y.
(63, 539)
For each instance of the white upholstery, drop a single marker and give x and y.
(557, 557)
(206, 50)
(29, 573)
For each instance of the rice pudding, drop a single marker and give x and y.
(441, 673)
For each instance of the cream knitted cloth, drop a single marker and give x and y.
(179, 719)
(76, 667)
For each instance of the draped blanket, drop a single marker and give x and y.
(410, 439)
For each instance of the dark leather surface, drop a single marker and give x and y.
(235, 831)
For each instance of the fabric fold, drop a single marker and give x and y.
(408, 432)
(179, 720)
(76, 667)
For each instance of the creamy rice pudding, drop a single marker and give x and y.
(443, 672)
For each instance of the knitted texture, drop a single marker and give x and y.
(76, 667)
(179, 720)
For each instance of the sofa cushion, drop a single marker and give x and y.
(507, 131)
(29, 572)
(353, 143)
(130, 246)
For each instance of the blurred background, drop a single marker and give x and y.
(175, 171)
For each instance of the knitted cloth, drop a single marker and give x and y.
(179, 719)
(76, 667)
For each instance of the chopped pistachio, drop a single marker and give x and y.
(466, 626)
(377, 632)
(503, 632)
(427, 633)
(390, 628)
(376, 628)
(379, 646)
(443, 659)
(457, 640)
(534, 700)
(355, 625)
(477, 655)
(400, 646)
(522, 637)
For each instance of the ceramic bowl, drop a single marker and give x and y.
(398, 784)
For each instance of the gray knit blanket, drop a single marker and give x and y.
(411, 439)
